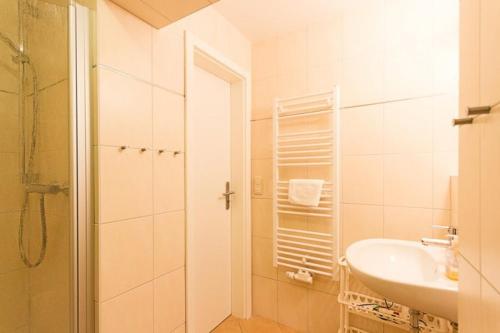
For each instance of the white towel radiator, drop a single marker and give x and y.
(306, 145)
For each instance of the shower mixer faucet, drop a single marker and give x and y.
(47, 189)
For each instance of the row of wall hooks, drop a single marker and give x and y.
(160, 151)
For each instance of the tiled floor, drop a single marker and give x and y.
(253, 325)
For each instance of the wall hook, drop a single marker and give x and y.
(177, 152)
(143, 150)
(122, 148)
(161, 151)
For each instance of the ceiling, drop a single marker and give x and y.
(262, 19)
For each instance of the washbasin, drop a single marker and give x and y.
(405, 272)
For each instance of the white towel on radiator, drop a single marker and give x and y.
(306, 192)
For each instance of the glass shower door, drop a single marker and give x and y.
(36, 224)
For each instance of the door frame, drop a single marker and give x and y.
(80, 43)
(199, 54)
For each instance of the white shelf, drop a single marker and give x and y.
(380, 310)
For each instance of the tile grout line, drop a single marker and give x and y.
(135, 78)
(140, 285)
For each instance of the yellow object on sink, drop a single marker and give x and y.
(452, 259)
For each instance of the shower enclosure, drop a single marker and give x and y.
(43, 220)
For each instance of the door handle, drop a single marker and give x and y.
(227, 195)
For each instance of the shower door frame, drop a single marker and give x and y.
(82, 313)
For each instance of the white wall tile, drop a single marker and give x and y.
(469, 218)
(168, 120)
(444, 166)
(362, 130)
(408, 126)
(489, 60)
(125, 110)
(490, 307)
(408, 180)
(264, 60)
(292, 306)
(324, 78)
(291, 84)
(262, 218)
(292, 53)
(362, 179)
(264, 91)
(265, 297)
(324, 312)
(469, 298)
(262, 257)
(362, 79)
(324, 43)
(122, 37)
(168, 182)
(362, 39)
(125, 183)
(445, 44)
(490, 197)
(262, 143)
(361, 222)
(131, 312)
(125, 256)
(169, 242)
(168, 57)
(444, 134)
(407, 46)
(169, 301)
(407, 77)
(407, 223)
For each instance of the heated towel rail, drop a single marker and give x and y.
(306, 145)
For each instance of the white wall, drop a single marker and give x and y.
(479, 181)
(396, 63)
(140, 194)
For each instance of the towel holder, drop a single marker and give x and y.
(306, 145)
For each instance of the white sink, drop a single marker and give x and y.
(407, 273)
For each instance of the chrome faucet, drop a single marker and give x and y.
(452, 233)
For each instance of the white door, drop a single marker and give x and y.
(209, 223)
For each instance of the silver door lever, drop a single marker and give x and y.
(227, 195)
